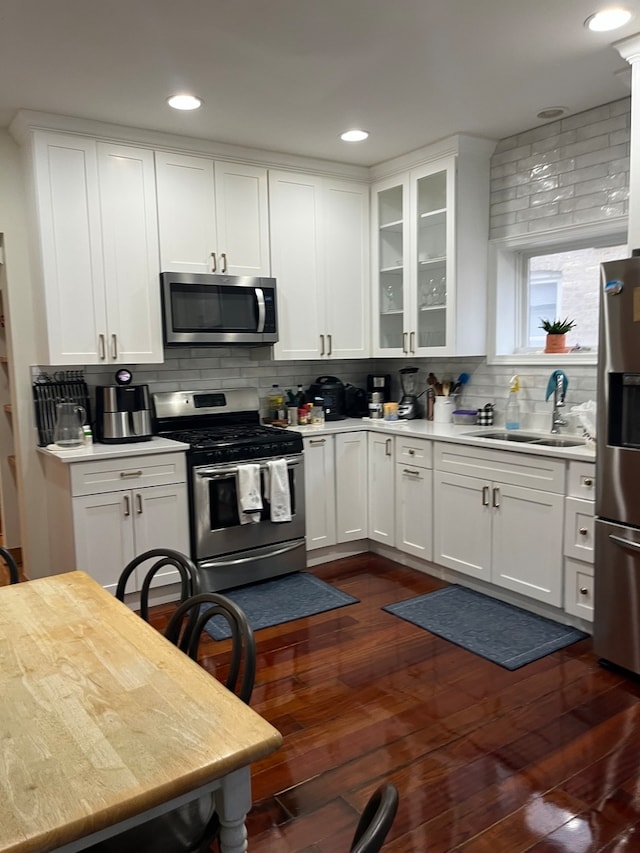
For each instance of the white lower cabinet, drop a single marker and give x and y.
(491, 524)
(335, 488)
(106, 512)
(381, 489)
(579, 510)
(414, 501)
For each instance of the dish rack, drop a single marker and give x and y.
(49, 390)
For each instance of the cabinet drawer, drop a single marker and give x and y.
(516, 469)
(109, 475)
(578, 589)
(578, 529)
(414, 451)
(582, 480)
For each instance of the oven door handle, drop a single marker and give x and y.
(262, 311)
(222, 473)
(205, 564)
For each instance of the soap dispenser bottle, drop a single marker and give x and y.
(512, 414)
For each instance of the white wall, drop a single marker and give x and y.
(21, 334)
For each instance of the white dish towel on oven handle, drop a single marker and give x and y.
(277, 489)
(248, 489)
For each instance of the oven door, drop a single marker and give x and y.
(216, 523)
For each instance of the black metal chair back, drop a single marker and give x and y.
(12, 566)
(189, 579)
(376, 819)
(196, 612)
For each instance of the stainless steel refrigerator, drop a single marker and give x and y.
(616, 636)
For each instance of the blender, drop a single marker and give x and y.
(408, 405)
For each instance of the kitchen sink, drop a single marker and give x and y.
(530, 438)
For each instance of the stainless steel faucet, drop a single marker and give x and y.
(559, 391)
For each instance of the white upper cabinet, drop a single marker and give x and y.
(213, 216)
(96, 214)
(430, 236)
(319, 255)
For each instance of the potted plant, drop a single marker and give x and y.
(556, 334)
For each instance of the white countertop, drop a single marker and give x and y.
(420, 428)
(114, 451)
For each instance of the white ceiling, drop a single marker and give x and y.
(290, 75)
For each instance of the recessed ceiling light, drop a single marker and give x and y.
(354, 135)
(608, 19)
(184, 102)
(553, 112)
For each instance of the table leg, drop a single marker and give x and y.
(233, 801)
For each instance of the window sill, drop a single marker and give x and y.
(545, 359)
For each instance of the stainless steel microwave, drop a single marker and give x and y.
(201, 310)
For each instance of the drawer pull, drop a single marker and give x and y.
(584, 590)
(412, 452)
(317, 441)
(588, 481)
(583, 531)
(409, 471)
(124, 475)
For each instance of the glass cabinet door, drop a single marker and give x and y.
(391, 267)
(431, 260)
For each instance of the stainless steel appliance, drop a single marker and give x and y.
(379, 383)
(616, 636)
(223, 431)
(218, 309)
(408, 406)
(123, 414)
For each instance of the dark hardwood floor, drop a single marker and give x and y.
(546, 758)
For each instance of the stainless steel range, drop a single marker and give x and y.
(226, 439)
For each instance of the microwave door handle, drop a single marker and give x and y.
(262, 311)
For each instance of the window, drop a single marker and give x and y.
(535, 280)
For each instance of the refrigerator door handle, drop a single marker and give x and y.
(626, 543)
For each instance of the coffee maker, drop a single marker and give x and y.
(379, 383)
(408, 405)
(123, 413)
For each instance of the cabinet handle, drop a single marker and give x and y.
(114, 347)
(496, 497)
(485, 496)
(330, 344)
(213, 262)
(102, 347)
(387, 447)
(127, 507)
(584, 590)
(412, 342)
(126, 474)
(139, 504)
(404, 342)
(321, 344)
(409, 471)
(588, 481)
(224, 262)
(583, 531)
(317, 441)
(411, 451)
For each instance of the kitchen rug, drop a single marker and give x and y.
(282, 599)
(495, 630)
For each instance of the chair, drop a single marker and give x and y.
(198, 610)
(376, 819)
(189, 579)
(12, 566)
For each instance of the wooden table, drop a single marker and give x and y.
(105, 724)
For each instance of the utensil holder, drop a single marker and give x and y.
(443, 410)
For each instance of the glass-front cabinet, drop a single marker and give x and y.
(429, 258)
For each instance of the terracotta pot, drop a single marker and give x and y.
(556, 343)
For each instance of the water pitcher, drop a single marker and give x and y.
(68, 430)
